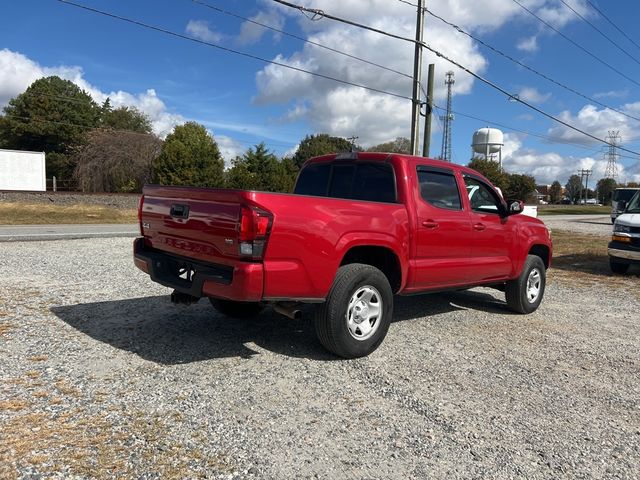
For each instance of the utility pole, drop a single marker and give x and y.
(426, 144)
(584, 174)
(417, 72)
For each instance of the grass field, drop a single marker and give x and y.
(18, 213)
(573, 210)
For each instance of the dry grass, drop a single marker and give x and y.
(38, 358)
(79, 444)
(582, 260)
(5, 328)
(14, 213)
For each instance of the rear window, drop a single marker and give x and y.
(373, 182)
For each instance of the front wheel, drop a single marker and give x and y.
(618, 267)
(236, 309)
(525, 293)
(357, 313)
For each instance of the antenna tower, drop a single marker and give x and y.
(612, 155)
(447, 119)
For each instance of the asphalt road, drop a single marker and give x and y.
(21, 233)
(589, 224)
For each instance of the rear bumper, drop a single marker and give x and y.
(242, 282)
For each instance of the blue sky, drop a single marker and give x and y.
(244, 101)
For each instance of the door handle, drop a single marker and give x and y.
(430, 224)
(479, 226)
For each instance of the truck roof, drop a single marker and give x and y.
(410, 160)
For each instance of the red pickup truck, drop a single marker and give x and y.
(359, 228)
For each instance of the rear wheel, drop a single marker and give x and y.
(236, 309)
(524, 294)
(618, 267)
(356, 316)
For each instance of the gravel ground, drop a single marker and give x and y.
(102, 377)
(119, 200)
(590, 224)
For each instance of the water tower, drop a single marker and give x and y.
(488, 142)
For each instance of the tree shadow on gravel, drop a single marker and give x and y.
(161, 332)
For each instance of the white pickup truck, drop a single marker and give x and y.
(624, 248)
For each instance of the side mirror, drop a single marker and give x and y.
(517, 206)
(622, 205)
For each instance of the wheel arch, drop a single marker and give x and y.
(542, 251)
(381, 257)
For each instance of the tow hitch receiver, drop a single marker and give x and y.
(184, 298)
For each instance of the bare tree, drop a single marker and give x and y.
(116, 161)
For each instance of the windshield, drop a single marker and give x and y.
(623, 194)
(634, 204)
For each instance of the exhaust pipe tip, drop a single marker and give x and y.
(183, 298)
(289, 310)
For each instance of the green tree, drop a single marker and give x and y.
(492, 171)
(259, 169)
(605, 188)
(124, 118)
(322, 144)
(520, 187)
(399, 145)
(573, 188)
(555, 192)
(52, 115)
(632, 185)
(189, 156)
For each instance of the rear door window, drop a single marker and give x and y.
(439, 188)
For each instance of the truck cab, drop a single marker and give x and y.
(624, 248)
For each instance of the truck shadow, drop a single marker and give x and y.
(168, 334)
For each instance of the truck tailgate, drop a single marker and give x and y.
(199, 223)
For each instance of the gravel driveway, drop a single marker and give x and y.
(590, 224)
(102, 377)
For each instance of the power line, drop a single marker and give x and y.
(527, 67)
(322, 14)
(599, 31)
(526, 132)
(576, 44)
(613, 24)
(297, 37)
(227, 49)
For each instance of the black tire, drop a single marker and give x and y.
(618, 267)
(518, 292)
(237, 309)
(332, 317)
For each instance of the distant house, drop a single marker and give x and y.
(542, 194)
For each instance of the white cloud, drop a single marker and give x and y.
(612, 94)
(598, 122)
(558, 14)
(547, 167)
(343, 110)
(533, 95)
(529, 44)
(17, 72)
(200, 30)
(229, 149)
(251, 33)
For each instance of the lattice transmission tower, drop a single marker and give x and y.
(612, 155)
(447, 120)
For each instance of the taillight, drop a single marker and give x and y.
(255, 226)
(140, 202)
